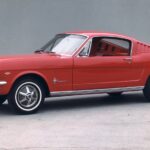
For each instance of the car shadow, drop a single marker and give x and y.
(104, 100)
(78, 102)
(5, 110)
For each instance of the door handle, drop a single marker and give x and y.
(128, 59)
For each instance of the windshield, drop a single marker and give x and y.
(64, 44)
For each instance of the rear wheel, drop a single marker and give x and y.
(2, 99)
(26, 96)
(115, 94)
(146, 90)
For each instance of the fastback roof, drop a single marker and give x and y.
(95, 33)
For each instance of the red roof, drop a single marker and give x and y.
(95, 33)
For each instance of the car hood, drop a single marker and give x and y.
(33, 61)
(25, 56)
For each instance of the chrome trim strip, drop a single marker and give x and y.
(96, 91)
(3, 83)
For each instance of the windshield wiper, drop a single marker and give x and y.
(50, 52)
(39, 51)
(44, 51)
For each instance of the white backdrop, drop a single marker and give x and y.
(26, 25)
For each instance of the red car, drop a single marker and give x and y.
(73, 64)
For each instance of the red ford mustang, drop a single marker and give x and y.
(75, 63)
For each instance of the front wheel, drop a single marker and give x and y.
(146, 90)
(26, 96)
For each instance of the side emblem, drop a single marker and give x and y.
(58, 81)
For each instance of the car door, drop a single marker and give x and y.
(112, 67)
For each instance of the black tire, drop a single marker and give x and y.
(2, 99)
(115, 94)
(26, 96)
(146, 90)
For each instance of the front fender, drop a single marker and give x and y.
(11, 78)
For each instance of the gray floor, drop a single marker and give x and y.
(80, 123)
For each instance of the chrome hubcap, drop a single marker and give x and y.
(28, 96)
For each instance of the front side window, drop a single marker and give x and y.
(110, 47)
(64, 44)
(86, 49)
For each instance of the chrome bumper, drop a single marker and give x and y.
(3, 83)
